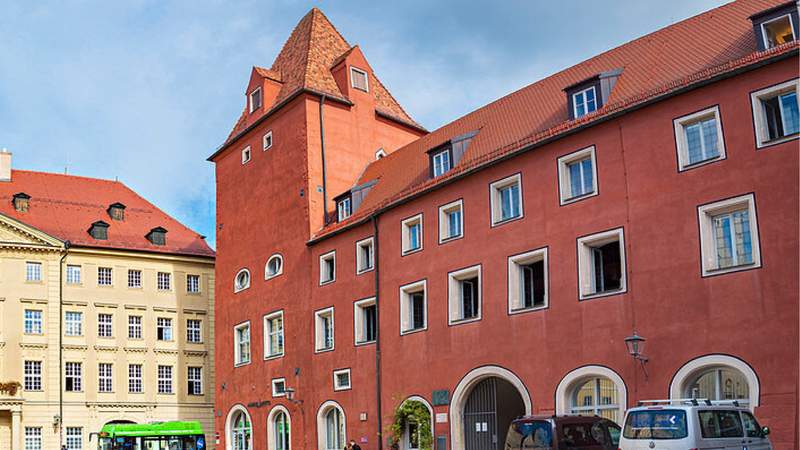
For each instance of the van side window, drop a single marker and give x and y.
(720, 424)
(751, 426)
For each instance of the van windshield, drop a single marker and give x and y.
(656, 424)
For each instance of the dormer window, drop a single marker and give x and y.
(344, 208)
(440, 161)
(775, 26)
(116, 211)
(157, 236)
(255, 100)
(359, 79)
(584, 102)
(446, 156)
(21, 202)
(99, 230)
(589, 95)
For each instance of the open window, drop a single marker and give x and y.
(241, 348)
(775, 113)
(464, 295)
(267, 141)
(366, 321)
(775, 26)
(273, 335)
(527, 281)
(601, 264)
(255, 99)
(327, 268)
(365, 255)
(247, 154)
(323, 320)
(344, 208)
(413, 307)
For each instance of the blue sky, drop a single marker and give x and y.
(146, 90)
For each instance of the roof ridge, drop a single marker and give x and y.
(41, 172)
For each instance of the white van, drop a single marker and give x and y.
(692, 424)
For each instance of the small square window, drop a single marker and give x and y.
(729, 235)
(601, 264)
(327, 268)
(366, 321)
(413, 307)
(324, 330)
(584, 102)
(341, 380)
(464, 295)
(775, 112)
(359, 79)
(241, 347)
(33, 321)
(278, 387)
(451, 221)
(440, 162)
(73, 323)
(699, 138)
(255, 99)
(267, 140)
(273, 335)
(246, 155)
(777, 31)
(134, 279)
(344, 208)
(365, 255)
(104, 276)
(506, 199)
(73, 274)
(33, 272)
(412, 234)
(577, 175)
(527, 281)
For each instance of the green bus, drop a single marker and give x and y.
(152, 436)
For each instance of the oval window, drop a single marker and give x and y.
(274, 266)
(242, 280)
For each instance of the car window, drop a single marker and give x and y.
(656, 424)
(579, 435)
(751, 426)
(529, 435)
(716, 424)
(614, 431)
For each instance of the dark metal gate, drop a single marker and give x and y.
(480, 417)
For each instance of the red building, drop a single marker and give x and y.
(495, 266)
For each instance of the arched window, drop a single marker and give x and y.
(279, 426)
(331, 428)
(717, 377)
(239, 430)
(274, 266)
(592, 390)
(242, 280)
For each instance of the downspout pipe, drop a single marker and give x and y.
(61, 344)
(378, 386)
(322, 151)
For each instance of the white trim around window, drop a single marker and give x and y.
(327, 261)
(324, 342)
(457, 282)
(708, 152)
(361, 73)
(514, 209)
(360, 321)
(760, 119)
(764, 24)
(274, 266)
(590, 248)
(565, 181)
(242, 280)
(247, 155)
(251, 99)
(266, 141)
(365, 255)
(451, 231)
(565, 392)
(322, 426)
(408, 235)
(276, 387)
(519, 267)
(406, 307)
(270, 333)
(239, 358)
(709, 242)
(342, 380)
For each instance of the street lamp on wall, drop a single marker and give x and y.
(635, 346)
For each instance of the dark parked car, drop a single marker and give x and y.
(562, 432)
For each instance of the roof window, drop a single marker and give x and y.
(446, 156)
(116, 211)
(21, 202)
(99, 230)
(359, 79)
(775, 26)
(589, 95)
(157, 236)
(255, 99)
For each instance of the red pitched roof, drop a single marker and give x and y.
(305, 63)
(65, 206)
(701, 47)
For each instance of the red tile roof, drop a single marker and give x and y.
(305, 63)
(690, 51)
(65, 206)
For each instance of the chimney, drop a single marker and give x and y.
(5, 165)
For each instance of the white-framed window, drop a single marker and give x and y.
(327, 268)
(359, 79)
(464, 295)
(134, 278)
(73, 274)
(247, 155)
(241, 344)
(592, 390)
(775, 113)
(527, 281)
(135, 378)
(33, 321)
(584, 102)
(194, 331)
(193, 284)
(163, 328)
(506, 199)
(255, 99)
(331, 427)
(341, 380)
(365, 255)
(73, 376)
(380, 153)
(164, 281)
(33, 438)
(33, 271)
(279, 429)
(105, 276)
(717, 377)
(74, 439)
(777, 31)
(239, 429)
(601, 264)
(699, 138)
(194, 380)
(278, 387)
(366, 321)
(274, 266)
(164, 379)
(414, 307)
(441, 162)
(451, 221)
(73, 323)
(266, 141)
(32, 380)
(729, 235)
(241, 281)
(273, 335)
(577, 175)
(105, 377)
(412, 236)
(105, 325)
(323, 325)
(344, 208)
(134, 327)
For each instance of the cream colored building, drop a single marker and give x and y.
(98, 330)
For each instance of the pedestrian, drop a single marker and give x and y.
(352, 445)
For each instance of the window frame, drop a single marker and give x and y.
(105, 380)
(360, 72)
(514, 287)
(405, 226)
(73, 439)
(759, 115)
(77, 375)
(359, 321)
(164, 328)
(564, 178)
(163, 281)
(252, 107)
(343, 213)
(134, 325)
(273, 384)
(323, 259)
(319, 336)
(495, 200)
(132, 380)
(70, 325)
(708, 255)
(166, 382)
(34, 437)
(681, 142)
(762, 27)
(274, 256)
(446, 150)
(191, 331)
(101, 324)
(574, 98)
(33, 272)
(406, 308)
(268, 332)
(197, 380)
(134, 279)
(444, 222)
(37, 323)
(35, 379)
(454, 279)
(360, 267)
(267, 137)
(191, 287)
(237, 356)
(103, 277)
(247, 155)
(585, 268)
(70, 272)
(241, 287)
(338, 387)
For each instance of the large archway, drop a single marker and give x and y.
(484, 403)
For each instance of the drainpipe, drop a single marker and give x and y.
(61, 344)
(322, 147)
(375, 239)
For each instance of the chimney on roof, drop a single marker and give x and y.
(5, 165)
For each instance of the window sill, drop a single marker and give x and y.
(570, 200)
(136, 288)
(464, 321)
(413, 330)
(194, 293)
(324, 283)
(776, 141)
(739, 268)
(273, 357)
(362, 272)
(505, 221)
(363, 343)
(603, 294)
(241, 364)
(166, 393)
(269, 277)
(528, 309)
(323, 350)
(34, 282)
(701, 163)
(343, 388)
(450, 239)
(408, 252)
